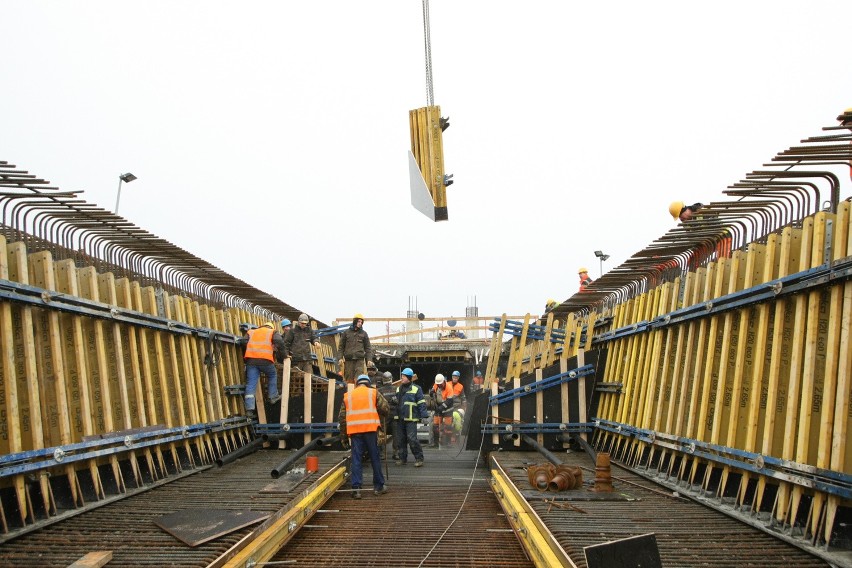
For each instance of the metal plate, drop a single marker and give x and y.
(634, 552)
(197, 526)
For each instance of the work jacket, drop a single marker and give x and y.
(380, 405)
(411, 403)
(260, 344)
(362, 414)
(355, 344)
(298, 341)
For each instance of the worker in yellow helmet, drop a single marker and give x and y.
(355, 350)
(683, 213)
(585, 279)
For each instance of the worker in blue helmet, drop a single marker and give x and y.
(411, 408)
(360, 418)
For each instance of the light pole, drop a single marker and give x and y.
(126, 178)
(602, 258)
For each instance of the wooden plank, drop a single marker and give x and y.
(26, 370)
(93, 560)
(96, 350)
(11, 442)
(779, 358)
(128, 408)
(841, 443)
(54, 376)
(81, 403)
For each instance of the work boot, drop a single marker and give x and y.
(399, 462)
(418, 463)
(381, 490)
(275, 399)
(356, 494)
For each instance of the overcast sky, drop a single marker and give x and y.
(573, 126)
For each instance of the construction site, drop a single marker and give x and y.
(689, 408)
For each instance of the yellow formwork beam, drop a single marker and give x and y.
(427, 146)
(540, 544)
(265, 541)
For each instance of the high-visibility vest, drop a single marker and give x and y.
(260, 344)
(361, 413)
(458, 389)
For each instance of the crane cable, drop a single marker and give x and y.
(427, 40)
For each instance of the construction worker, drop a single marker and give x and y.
(388, 390)
(297, 345)
(585, 280)
(259, 358)
(411, 406)
(458, 422)
(442, 394)
(361, 417)
(550, 305)
(682, 212)
(459, 398)
(355, 349)
(478, 381)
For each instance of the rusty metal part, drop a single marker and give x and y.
(688, 533)
(565, 478)
(540, 475)
(47, 219)
(603, 473)
(127, 526)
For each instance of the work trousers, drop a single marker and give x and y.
(360, 442)
(253, 372)
(408, 437)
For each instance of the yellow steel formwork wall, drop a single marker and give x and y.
(771, 379)
(68, 378)
(427, 146)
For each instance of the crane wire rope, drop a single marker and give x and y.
(427, 40)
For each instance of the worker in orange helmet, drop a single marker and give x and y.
(585, 279)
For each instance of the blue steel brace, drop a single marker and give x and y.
(297, 428)
(545, 428)
(541, 385)
(825, 480)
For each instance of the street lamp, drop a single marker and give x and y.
(126, 178)
(602, 258)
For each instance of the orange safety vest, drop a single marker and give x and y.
(260, 344)
(458, 388)
(446, 392)
(361, 413)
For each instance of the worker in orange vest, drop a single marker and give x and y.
(259, 358)
(360, 417)
(442, 395)
(585, 280)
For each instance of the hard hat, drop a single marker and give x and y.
(358, 317)
(479, 373)
(439, 379)
(582, 270)
(675, 208)
(456, 374)
(407, 372)
(461, 411)
(846, 116)
(244, 327)
(388, 377)
(371, 365)
(364, 380)
(285, 322)
(550, 302)
(304, 318)
(269, 324)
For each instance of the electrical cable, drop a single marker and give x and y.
(464, 501)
